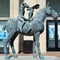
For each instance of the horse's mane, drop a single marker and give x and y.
(39, 13)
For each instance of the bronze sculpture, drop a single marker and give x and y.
(34, 27)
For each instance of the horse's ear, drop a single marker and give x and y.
(48, 4)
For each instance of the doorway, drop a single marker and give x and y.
(53, 35)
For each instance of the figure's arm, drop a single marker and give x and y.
(29, 19)
(23, 17)
(26, 19)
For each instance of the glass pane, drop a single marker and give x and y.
(51, 34)
(4, 8)
(58, 34)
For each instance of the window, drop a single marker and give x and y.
(4, 8)
(4, 16)
(51, 29)
(53, 35)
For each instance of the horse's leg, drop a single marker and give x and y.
(5, 50)
(34, 49)
(13, 49)
(6, 42)
(38, 44)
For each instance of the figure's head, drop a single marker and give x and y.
(33, 7)
(50, 11)
(25, 5)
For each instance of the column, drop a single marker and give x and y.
(11, 8)
(14, 9)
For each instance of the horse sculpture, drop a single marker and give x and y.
(33, 28)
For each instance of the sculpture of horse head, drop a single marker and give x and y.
(35, 28)
(51, 12)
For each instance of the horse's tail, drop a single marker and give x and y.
(4, 27)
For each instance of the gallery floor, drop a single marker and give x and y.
(22, 56)
(57, 54)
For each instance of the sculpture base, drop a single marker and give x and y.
(30, 58)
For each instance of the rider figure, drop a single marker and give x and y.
(30, 14)
(21, 17)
